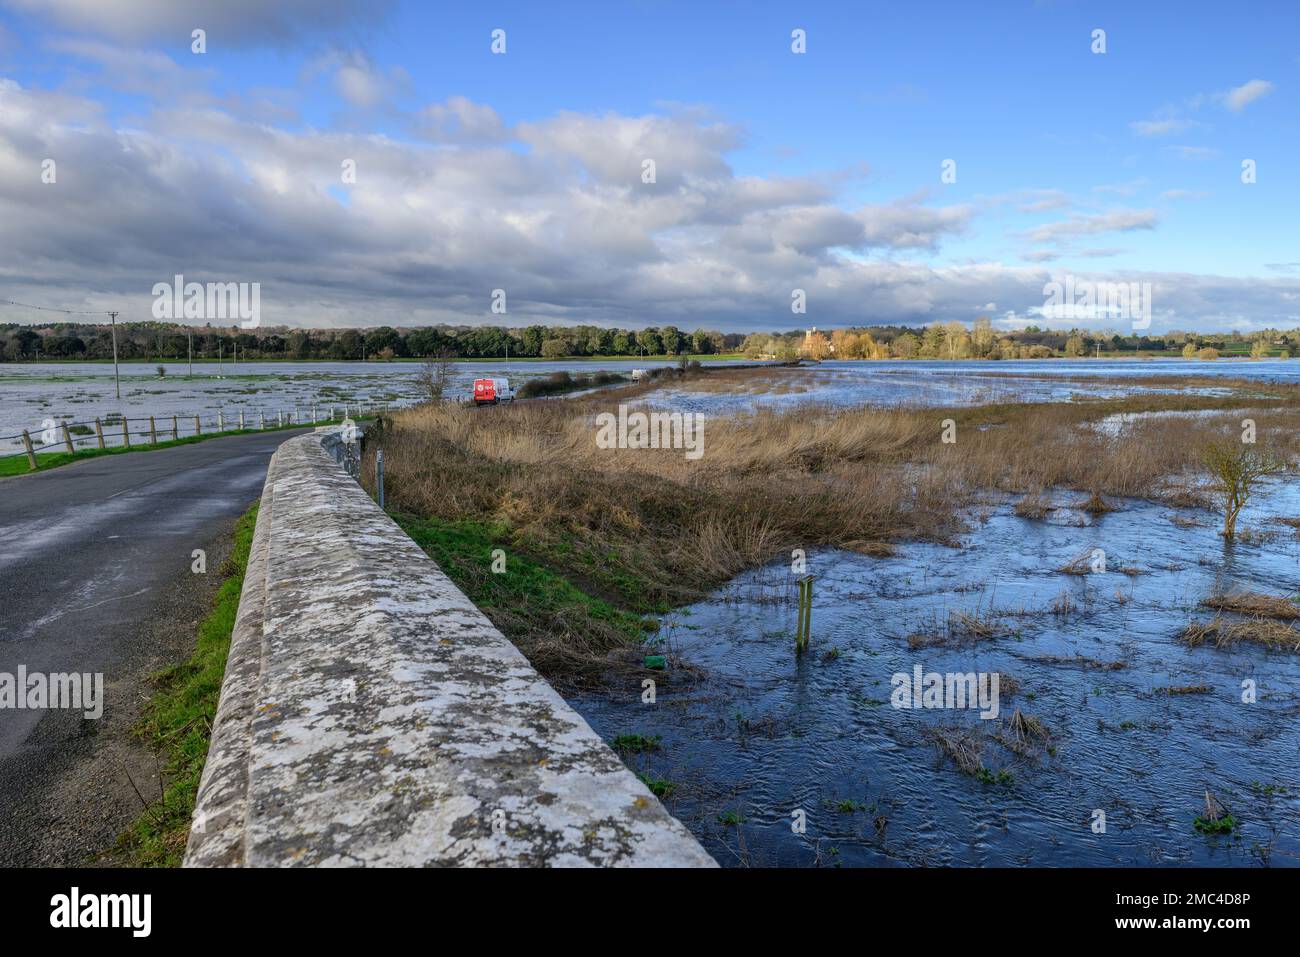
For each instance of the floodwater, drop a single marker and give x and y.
(926, 383)
(763, 734)
(31, 393)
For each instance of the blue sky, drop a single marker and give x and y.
(819, 170)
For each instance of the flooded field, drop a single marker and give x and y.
(30, 393)
(932, 384)
(1136, 724)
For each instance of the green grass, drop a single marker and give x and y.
(636, 743)
(659, 787)
(177, 720)
(18, 465)
(541, 612)
(1224, 825)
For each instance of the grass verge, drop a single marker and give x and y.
(17, 464)
(558, 626)
(177, 721)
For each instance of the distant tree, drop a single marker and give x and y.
(650, 341)
(435, 376)
(555, 349)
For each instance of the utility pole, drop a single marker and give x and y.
(117, 382)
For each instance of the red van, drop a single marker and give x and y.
(492, 391)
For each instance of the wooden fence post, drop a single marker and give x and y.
(67, 439)
(126, 432)
(198, 426)
(176, 431)
(99, 432)
(221, 421)
(31, 455)
(153, 432)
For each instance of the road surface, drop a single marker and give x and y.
(95, 576)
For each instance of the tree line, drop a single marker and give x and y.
(980, 340)
(939, 340)
(157, 341)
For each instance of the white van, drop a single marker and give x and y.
(639, 374)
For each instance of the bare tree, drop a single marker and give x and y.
(435, 375)
(1236, 467)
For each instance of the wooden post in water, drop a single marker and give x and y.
(803, 629)
(99, 431)
(153, 431)
(67, 438)
(31, 455)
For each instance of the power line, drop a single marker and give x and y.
(66, 312)
(112, 320)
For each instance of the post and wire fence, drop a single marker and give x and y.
(117, 430)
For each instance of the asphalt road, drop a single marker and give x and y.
(91, 556)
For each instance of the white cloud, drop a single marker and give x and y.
(1158, 127)
(1122, 220)
(459, 119)
(1193, 152)
(1239, 97)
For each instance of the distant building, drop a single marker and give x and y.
(816, 344)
